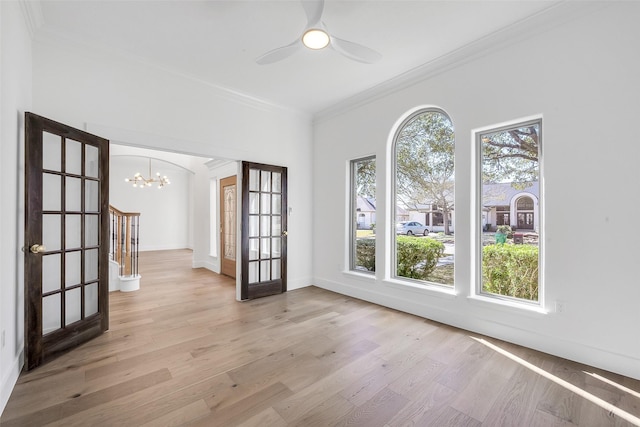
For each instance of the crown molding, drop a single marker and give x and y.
(33, 17)
(553, 16)
(214, 164)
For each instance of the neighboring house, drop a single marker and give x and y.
(502, 204)
(366, 212)
(506, 204)
(429, 215)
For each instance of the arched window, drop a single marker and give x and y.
(525, 213)
(424, 149)
(524, 204)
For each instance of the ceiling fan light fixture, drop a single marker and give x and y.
(315, 39)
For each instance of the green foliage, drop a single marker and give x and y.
(504, 229)
(511, 155)
(366, 253)
(511, 270)
(417, 257)
(366, 177)
(425, 162)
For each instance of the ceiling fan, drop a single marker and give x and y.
(316, 37)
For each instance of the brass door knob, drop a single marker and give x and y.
(37, 249)
(284, 233)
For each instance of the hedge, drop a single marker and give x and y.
(366, 253)
(511, 270)
(417, 256)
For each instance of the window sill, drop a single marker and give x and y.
(507, 305)
(361, 276)
(433, 290)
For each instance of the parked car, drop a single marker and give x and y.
(411, 227)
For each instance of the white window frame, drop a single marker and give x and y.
(477, 291)
(353, 224)
(393, 268)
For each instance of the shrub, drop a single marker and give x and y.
(511, 270)
(417, 257)
(504, 229)
(366, 253)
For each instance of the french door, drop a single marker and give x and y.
(264, 230)
(66, 238)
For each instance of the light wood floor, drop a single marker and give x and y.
(183, 351)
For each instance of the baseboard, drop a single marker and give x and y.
(299, 283)
(9, 380)
(579, 352)
(209, 265)
(147, 248)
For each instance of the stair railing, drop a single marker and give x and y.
(125, 235)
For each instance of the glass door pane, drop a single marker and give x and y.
(230, 222)
(265, 215)
(66, 173)
(71, 188)
(265, 219)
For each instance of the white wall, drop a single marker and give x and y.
(80, 87)
(583, 78)
(216, 170)
(165, 215)
(124, 100)
(15, 99)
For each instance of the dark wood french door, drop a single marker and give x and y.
(66, 238)
(264, 230)
(228, 225)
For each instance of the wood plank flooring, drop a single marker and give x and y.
(182, 351)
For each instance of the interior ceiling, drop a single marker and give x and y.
(218, 41)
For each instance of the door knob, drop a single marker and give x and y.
(284, 233)
(37, 249)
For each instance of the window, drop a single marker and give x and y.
(503, 215)
(424, 190)
(363, 214)
(510, 246)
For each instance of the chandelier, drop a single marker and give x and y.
(140, 181)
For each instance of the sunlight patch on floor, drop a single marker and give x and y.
(577, 390)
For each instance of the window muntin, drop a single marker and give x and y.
(424, 192)
(525, 204)
(510, 242)
(363, 215)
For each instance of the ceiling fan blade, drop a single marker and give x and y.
(355, 51)
(280, 53)
(313, 9)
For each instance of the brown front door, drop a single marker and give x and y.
(228, 225)
(264, 230)
(66, 238)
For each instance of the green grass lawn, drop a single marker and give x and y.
(442, 274)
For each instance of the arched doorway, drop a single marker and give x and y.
(525, 213)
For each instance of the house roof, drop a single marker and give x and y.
(368, 204)
(365, 204)
(501, 194)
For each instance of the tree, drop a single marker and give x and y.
(511, 156)
(425, 163)
(366, 178)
